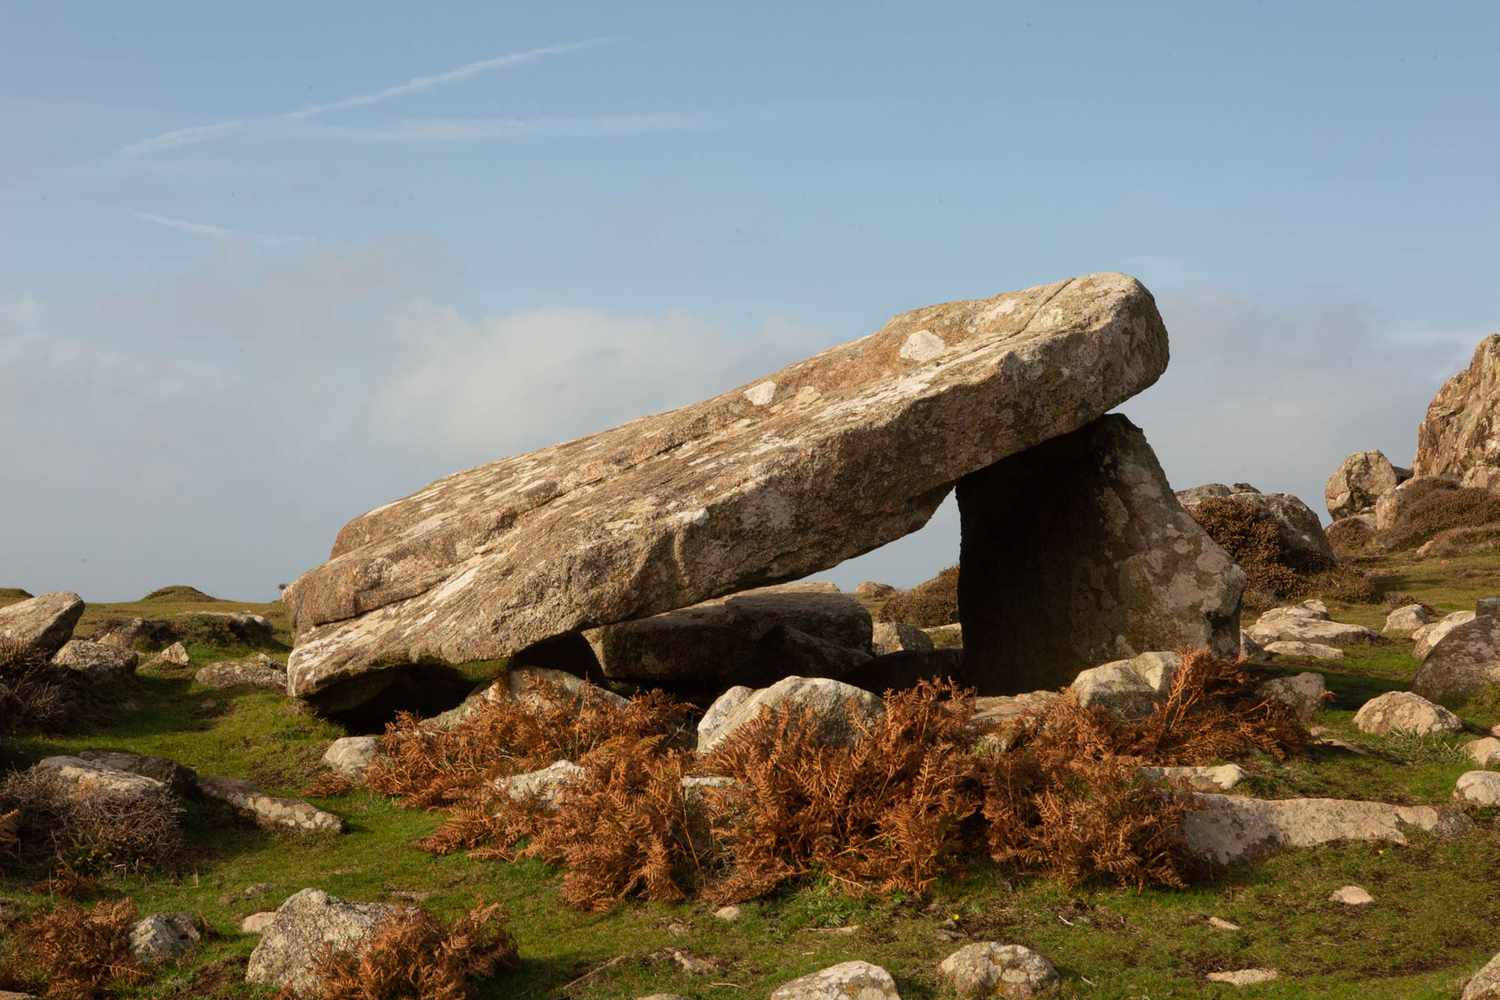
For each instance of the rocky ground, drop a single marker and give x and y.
(1425, 929)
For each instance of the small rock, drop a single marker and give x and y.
(838, 710)
(1304, 693)
(895, 637)
(1127, 689)
(256, 923)
(175, 654)
(544, 786)
(1405, 712)
(693, 965)
(1219, 923)
(1244, 977)
(249, 892)
(1316, 650)
(1199, 779)
(270, 812)
(1479, 788)
(165, 937)
(998, 970)
(351, 756)
(1351, 895)
(1307, 622)
(728, 913)
(1484, 752)
(848, 981)
(1405, 620)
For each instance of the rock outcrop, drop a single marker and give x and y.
(1076, 552)
(42, 624)
(824, 460)
(1458, 438)
(1359, 482)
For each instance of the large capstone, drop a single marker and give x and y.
(770, 482)
(1077, 552)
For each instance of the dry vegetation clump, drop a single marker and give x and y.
(1350, 537)
(1276, 571)
(34, 695)
(1441, 508)
(926, 605)
(72, 953)
(413, 956)
(71, 834)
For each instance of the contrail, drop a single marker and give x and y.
(210, 231)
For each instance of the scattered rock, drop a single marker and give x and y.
(1464, 664)
(1360, 480)
(848, 981)
(253, 671)
(181, 779)
(175, 654)
(1314, 650)
(350, 756)
(1307, 622)
(137, 633)
(1351, 895)
(165, 937)
(269, 811)
(741, 639)
(1219, 923)
(256, 923)
(1486, 982)
(1076, 552)
(1484, 752)
(1305, 693)
(837, 709)
(1456, 439)
(1128, 689)
(544, 786)
(1428, 636)
(97, 661)
(729, 914)
(1478, 788)
(1226, 829)
(1405, 620)
(292, 942)
(1222, 778)
(989, 969)
(1405, 712)
(1245, 977)
(42, 624)
(894, 637)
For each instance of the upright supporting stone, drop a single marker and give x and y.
(1076, 552)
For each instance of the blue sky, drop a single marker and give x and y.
(263, 267)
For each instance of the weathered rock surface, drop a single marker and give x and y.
(1316, 650)
(253, 671)
(256, 923)
(41, 624)
(1463, 664)
(1076, 553)
(1298, 525)
(1457, 438)
(1307, 622)
(894, 637)
(1220, 778)
(838, 710)
(1392, 508)
(544, 786)
(290, 946)
(1486, 982)
(1305, 693)
(350, 756)
(1351, 895)
(989, 969)
(270, 812)
(91, 778)
(96, 660)
(1405, 712)
(175, 654)
(181, 779)
(1428, 636)
(1478, 788)
(1405, 620)
(1226, 829)
(165, 937)
(1360, 480)
(1245, 977)
(1484, 752)
(1128, 689)
(743, 638)
(847, 981)
(767, 483)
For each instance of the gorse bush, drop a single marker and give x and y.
(1441, 507)
(1275, 571)
(61, 830)
(72, 953)
(34, 695)
(926, 605)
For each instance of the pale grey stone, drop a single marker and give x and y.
(846, 981)
(351, 756)
(41, 625)
(1478, 788)
(270, 812)
(838, 710)
(1220, 778)
(165, 937)
(291, 944)
(96, 660)
(1304, 693)
(1359, 481)
(1464, 664)
(1226, 829)
(1428, 636)
(989, 969)
(1351, 895)
(1485, 752)
(1407, 713)
(1128, 689)
(1314, 650)
(894, 637)
(1405, 620)
(543, 787)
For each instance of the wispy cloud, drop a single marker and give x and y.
(210, 231)
(449, 129)
(204, 133)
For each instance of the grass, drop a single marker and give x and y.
(1425, 934)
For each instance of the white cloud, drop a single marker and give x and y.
(213, 232)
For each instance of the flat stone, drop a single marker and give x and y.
(838, 710)
(1220, 778)
(1245, 977)
(1315, 650)
(1305, 623)
(1226, 829)
(1075, 553)
(846, 981)
(291, 944)
(1428, 636)
(988, 969)
(1405, 712)
(1128, 689)
(1351, 895)
(1464, 664)
(96, 660)
(252, 671)
(731, 493)
(1304, 693)
(180, 778)
(42, 624)
(269, 812)
(1478, 788)
(351, 756)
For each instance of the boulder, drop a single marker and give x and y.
(539, 687)
(1486, 982)
(1424, 638)
(269, 812)
(988, 969)
(1462, 665)
(174, 655)
(1221, 778)
(1128, 689)
(1405, 620)
(1360, 480)
(350, 756)
(292, 943)
(40, 625)
(96, 660)
(1304, 693)
(847, 981)
(253, 671)
(1226, 829)
(1307, 622)
(179, 778)
(1298, 525)
(225, 627)
(165, 937)
(1456, 439)
(1075, 553)
(996, 713)
(894, 637)
(838, 710)
(753, 637)
(1405, 713)
(91, 779)
(543, 787)
(767, 483)
(1484, 752)
(1314, 650)
(1478, 788)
